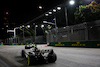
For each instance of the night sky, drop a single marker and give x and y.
(22, 11)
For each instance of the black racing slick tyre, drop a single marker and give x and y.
(52, 58)
(31, 60)
(23, 53)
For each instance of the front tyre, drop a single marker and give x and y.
(23, 53)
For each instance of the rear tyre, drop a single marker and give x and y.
(52, 57)
(31, 60)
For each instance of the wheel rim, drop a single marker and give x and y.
(28, 61)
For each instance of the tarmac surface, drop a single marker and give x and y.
(10, 56)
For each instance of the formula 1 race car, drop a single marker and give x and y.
(36, 55)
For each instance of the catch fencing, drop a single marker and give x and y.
(87, 31)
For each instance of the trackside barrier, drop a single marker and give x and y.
(24, 43)
(21, 43)
(76, 44)
(1, 44)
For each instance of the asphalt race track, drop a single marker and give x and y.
(67, 57)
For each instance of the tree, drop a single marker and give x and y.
(88, 12)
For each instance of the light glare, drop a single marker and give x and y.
(50, 12)
(54, 10)
(59, 8)
(72, 2)
(42, 26)
(28, 26)
(46, 14)
(36, 25)
(40, 7)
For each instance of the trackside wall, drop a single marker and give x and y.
(77, 44)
